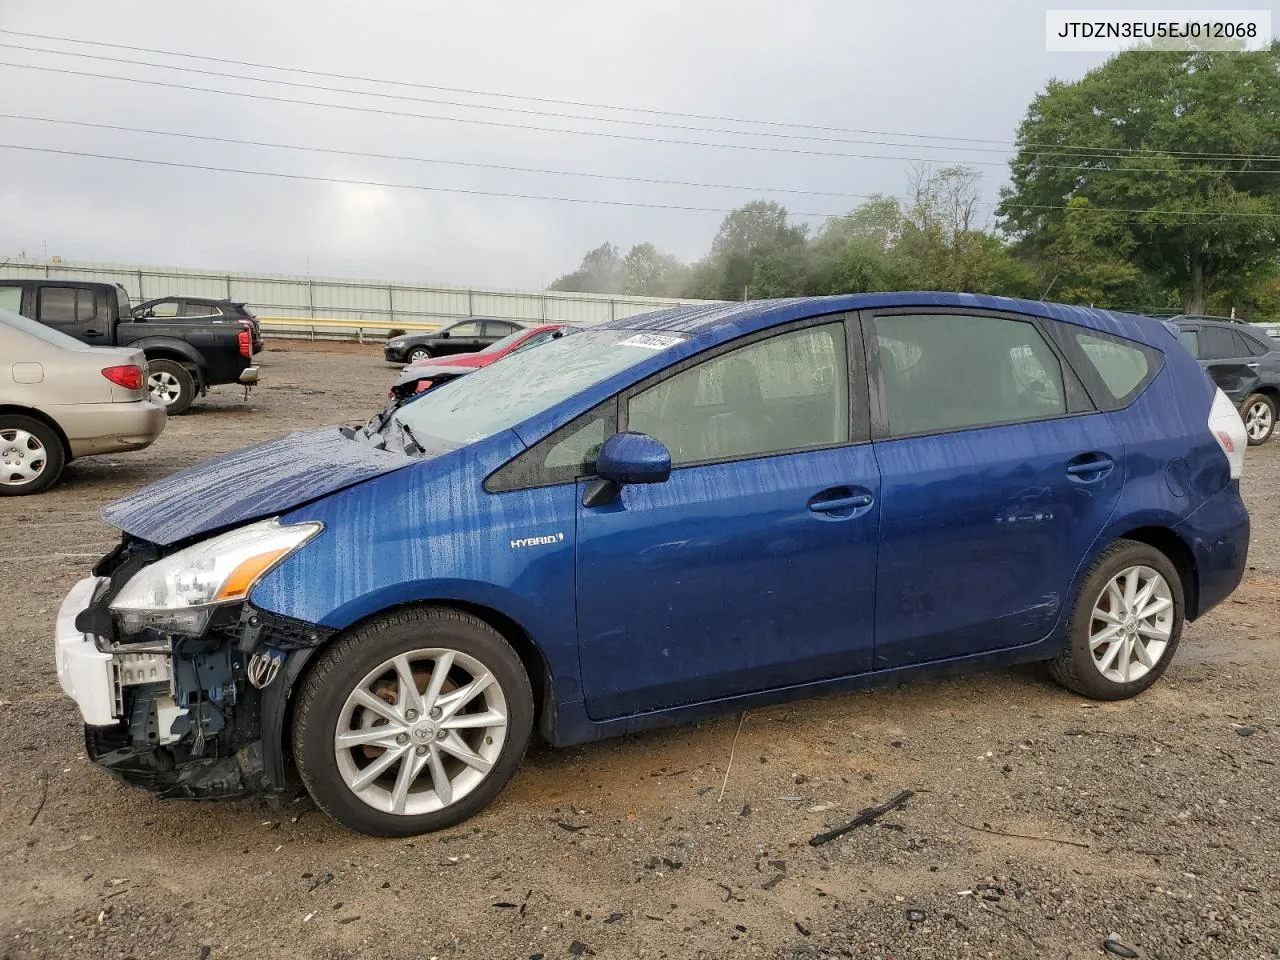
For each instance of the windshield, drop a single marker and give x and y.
(499, 345)
(497, 397)
(41, 332)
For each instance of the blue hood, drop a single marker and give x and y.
(249, 484)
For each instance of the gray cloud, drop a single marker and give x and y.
(964, 70)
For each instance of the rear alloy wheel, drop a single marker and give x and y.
(31, 456)
(171, 385)
(418, 354)
(433, 725)
(1259, 414)
(1125, 626)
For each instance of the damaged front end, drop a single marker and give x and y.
(176, 674)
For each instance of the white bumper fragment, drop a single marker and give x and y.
(84, 671)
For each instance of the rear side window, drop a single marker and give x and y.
(1218, 344)
(190, 309)
(11, 298)
(1252, 347)
(66, 306)
(1116, 370)
(942, 372)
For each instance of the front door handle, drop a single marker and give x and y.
(841, 503)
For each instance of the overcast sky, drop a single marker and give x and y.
(929, 67)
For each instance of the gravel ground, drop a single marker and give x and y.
(1156, 819)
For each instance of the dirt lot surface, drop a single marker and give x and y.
(1156, 819)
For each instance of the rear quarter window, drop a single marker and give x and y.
(1115, 370)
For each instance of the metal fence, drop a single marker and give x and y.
(338, 308)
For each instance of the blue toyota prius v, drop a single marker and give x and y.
(691, 511)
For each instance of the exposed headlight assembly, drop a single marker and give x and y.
(178, 594)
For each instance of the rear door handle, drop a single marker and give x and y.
(1090, 467)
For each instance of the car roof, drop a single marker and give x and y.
(183, 296)
(695, 319)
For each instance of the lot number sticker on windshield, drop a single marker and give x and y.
(651, 341)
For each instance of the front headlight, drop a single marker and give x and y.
(179, 593)
(396, 342)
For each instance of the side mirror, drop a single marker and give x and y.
(633, 458)
(444, 334)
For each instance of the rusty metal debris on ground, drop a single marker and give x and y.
(987, 828)
(320, 881)
(1113, 946)
(870, 815)
(44, 793)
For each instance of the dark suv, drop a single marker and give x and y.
(1243, 361)
(203, 309)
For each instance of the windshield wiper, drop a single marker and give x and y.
(407, 433)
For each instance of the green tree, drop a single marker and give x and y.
(1164, 137)
(648, 272)
(601, 271)
(747, 236)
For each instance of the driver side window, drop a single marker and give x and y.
(787, 393)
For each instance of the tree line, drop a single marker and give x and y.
(1150, 184)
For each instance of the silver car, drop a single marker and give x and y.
(61, 399)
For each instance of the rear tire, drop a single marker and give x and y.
(420, 761)
(31, 455)
(1125, 625)
(171, 385)
(1259, 414)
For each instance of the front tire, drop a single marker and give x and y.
(1125, 626)
(171, 385)
(412, 723)
(1259, 414)
(418, 354)
(31, 456)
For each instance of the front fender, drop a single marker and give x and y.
(431, 533)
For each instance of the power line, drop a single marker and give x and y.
(432, 160)
(586, 200)
(485, 93)
(561, 130)
(488, 106)
(1067, 149)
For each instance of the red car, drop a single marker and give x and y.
(422, 376)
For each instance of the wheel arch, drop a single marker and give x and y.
(1179, 553)
(167, 349)
(48, 421)
(277, 714)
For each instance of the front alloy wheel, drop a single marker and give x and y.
(420, 731)
(427, 735)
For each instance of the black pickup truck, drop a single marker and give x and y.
(183, 359)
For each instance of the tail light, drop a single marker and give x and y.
(422, 385)
(127, 376)
(246, 339)
(1228, 429)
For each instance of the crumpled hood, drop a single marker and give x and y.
(249, 484)
(425, 371)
